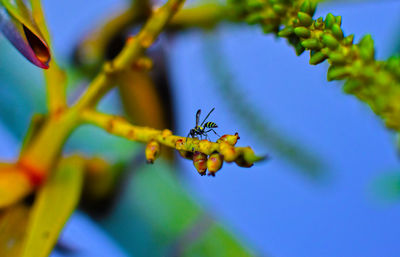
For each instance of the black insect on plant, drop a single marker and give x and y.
(201, 130)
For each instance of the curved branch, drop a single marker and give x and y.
(188, 147)
(48, 144)
(132, 51)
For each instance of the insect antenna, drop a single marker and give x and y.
(207, 116)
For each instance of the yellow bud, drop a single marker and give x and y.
(205, 146)
(227, 151)
(230, 139)
(200, 162)
(214, 163)
(152, 151)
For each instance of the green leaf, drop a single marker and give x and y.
(53, 205)
(157, 217)
(387, 186)
(216, 241)
(172, 210)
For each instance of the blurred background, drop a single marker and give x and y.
(331, 187)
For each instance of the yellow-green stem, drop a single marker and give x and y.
(118, 126)
(55, 77)
(44, 150)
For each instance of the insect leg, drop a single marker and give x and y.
(214, 132)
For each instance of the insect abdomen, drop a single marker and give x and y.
(210, 125)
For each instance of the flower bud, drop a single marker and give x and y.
(227, 151)
(230, 139)
(200, 162)
(152, 151)
(205, 146)
(214, 163)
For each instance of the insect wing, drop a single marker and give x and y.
(198, 117)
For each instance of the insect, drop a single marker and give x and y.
(202, 129)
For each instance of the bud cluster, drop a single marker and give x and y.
(210, 158)
(375, 82)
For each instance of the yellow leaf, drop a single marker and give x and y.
(54, 203)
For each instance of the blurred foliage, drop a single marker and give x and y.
(20, 96)
(33, 230)
(156, 217)
(387, 186)
(53, 205)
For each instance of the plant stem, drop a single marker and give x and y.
(55, 77)
(133, 50)
(44, 150)
(118, 126)
(42, 153)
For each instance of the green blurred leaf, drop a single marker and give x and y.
(387, 186)
(157, 217)
(216, 241)
(53, 205)
(161, 199)
(20, 96)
